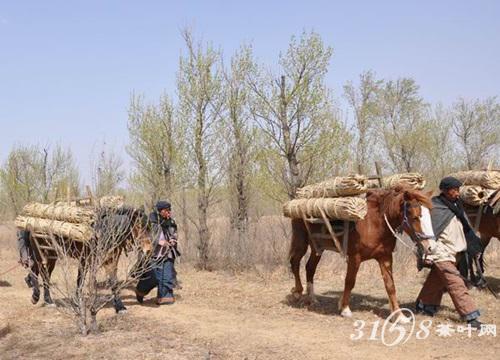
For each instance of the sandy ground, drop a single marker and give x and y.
(249, 316)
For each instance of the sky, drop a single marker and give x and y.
(67, 68)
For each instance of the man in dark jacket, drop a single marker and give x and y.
(454, 237)
(162, 273)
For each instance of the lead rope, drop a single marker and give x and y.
(396, 235)
(8, 271)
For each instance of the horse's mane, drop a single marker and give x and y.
(390, 200)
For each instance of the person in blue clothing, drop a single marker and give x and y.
(164, 244)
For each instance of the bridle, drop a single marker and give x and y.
(415, 236)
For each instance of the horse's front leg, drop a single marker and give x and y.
(385, 264)
(117, 300)
(33, 278)
(111, 267)
(353, 264)
(311, 266)
(484, 241)
(298, 249)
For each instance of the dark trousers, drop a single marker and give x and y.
(163, 276)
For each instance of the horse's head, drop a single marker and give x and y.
(140, 229)
(410, 210)
(415, 209)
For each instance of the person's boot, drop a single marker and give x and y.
(428, 310)
(165, 301)
(139, 296)
(475, 323)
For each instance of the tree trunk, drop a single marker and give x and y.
(185, 228)
(203, 232)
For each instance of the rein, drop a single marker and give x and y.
(396, 235)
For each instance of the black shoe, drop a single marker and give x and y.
(475, 324)
(424, 310)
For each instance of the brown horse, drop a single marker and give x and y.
(371, 239)
(489, 224)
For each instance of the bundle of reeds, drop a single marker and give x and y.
(475, 195)
(75, 232)
(335, 187)
(489, 179)
(61, 212)
(342, 208)
(414, 181)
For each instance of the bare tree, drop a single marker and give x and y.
(294, 112)
(78, 285)
(201, 100)
(154, 146)
(403, 125)
(241, 145)
(108, 173)
(363, 101)
(476, 125)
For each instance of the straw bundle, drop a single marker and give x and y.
(110, 201)
(77, 232)
(61, 212)
(337, 186)
(344, 208)
(475, 195)
(489, 179)
(414, 181)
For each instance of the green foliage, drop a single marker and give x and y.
(293, 110)
(32, 173)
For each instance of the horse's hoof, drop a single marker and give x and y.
(296, 294)
(403, 319)
(122, 311)
(347, 313)
(34, 299)
(49, 305)
(311, 300)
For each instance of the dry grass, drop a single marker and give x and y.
(228, 315)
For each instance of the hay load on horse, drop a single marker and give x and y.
(415, 181)
(481, 197)
(70, 220)
(369, 235)
(73, 229)
(335, 187)
(489, 179)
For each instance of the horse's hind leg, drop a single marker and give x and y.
(298, 249)
(353, 263)
(311, 266)
(484, 241)
(33, 275)
(46, 283)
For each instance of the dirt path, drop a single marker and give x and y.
(221, 316)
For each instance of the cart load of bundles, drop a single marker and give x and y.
(478, 186)
(343, 198)
(72, 220)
